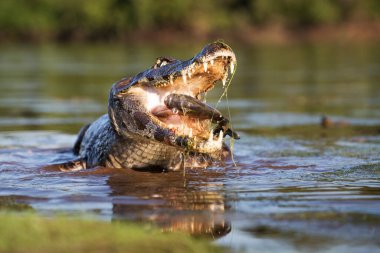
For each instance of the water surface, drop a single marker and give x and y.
(295, 185)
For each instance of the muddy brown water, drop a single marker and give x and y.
(296, 186)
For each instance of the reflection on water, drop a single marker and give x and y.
(296, 186)
(174, 201)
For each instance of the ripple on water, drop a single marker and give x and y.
(280, 119)
(56, 106)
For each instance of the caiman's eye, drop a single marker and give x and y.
(162, 61)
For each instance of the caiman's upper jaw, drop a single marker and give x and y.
(193, 77)
(198, 74)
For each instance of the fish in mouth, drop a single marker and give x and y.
(158, 118)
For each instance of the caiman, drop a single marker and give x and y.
(158, 120)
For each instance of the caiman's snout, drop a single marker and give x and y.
(214, 50)
(198, 75)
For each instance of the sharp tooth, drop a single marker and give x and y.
(171, 79)
(205, 66)
(224, 80)
(220, 137)
(211, 137)
(184, 77)
(232, 67)
(191, 133)
(189, 73)
(212, 62)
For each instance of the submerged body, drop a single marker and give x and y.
(146, 130)
(102, 145)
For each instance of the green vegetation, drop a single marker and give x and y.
(30, 233)
(115, 19)
(12, 204)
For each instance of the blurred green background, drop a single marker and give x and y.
(168, 20)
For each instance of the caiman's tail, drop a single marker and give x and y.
(73, 165)
(79, 163)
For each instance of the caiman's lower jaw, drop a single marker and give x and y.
(194, 81)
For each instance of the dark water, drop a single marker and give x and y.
(296, 186)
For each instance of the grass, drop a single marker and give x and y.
(11, 203)
(27, 232)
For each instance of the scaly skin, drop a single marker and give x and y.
(102, 145)
(141, 132)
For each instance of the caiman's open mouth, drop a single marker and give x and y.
(172, 91)
(197, 76)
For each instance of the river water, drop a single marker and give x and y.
(294, 185)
